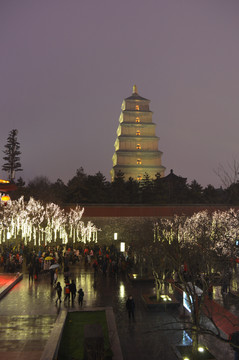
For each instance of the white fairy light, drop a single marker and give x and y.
(33, 222)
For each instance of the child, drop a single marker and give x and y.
(67, 292)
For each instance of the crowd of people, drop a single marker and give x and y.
(54, 259)
(11, 259)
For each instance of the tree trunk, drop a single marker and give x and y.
(195, 343)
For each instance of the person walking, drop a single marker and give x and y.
(52, 276)
(55, 277)
(81, 297)
(67, 292)
(59, 291)
(73, 290)
(30, 271)
(130, 306)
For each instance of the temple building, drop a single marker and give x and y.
(136, 146)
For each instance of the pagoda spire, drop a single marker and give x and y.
(135, 90)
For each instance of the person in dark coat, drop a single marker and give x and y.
(81, 296)
(30, 271)
(59, 291)
(130, 306)
(73, 290)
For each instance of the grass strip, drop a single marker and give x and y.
(72, 342)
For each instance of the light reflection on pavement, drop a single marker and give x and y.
(28, 313)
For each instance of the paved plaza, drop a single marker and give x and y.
(28, 313)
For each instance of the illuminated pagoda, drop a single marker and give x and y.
(136, 146)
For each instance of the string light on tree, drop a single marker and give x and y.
(41, 224)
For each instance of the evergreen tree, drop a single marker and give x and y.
(97, 189)
(12, 155)
(146, 187)
(160, 190)
(118, 189)
(58, 192)
(77, 188)
(40, 189)
(214, 196)
(20, 191)
(195, 193)
(132, 188)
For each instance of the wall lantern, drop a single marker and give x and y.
(4, 181)
(122, 246)
(115, 236)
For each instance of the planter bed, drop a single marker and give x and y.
(152, 304)
(72, 341)
(183, 352)
(136, 278)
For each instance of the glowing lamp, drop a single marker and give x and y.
(122, 246)
(115, 236)
(166, 298)
(5, 198)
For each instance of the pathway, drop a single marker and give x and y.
(28, 313)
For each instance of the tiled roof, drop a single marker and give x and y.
(135, 96)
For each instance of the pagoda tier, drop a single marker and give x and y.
(136, 146)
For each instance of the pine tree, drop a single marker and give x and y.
(12, 155)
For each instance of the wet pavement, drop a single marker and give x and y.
(28, 313)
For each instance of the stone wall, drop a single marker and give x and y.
(129, 229)
(135, 223)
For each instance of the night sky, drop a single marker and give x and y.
(67, 65)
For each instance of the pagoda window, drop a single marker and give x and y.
(137, 120)
(138, 133)
(136, 107)
(139, 161)
(139, 177)
(138, 147)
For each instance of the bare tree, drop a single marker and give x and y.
(228, 175)
(199, 248)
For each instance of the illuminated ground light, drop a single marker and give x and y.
(200, 349)
(122, 291)
(166, 298)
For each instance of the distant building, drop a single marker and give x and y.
(136, 146)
